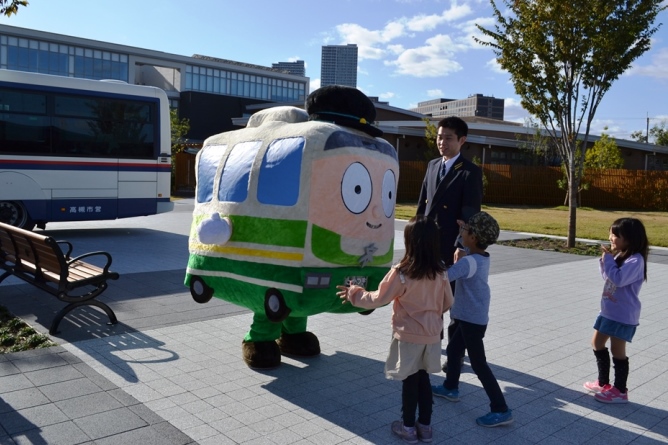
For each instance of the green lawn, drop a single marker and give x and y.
(591, 223)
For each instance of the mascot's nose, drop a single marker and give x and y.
(375, 212)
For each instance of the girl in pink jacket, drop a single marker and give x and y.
(420, 291)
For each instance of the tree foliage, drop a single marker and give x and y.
(179, 129)
(658, 135)
(430, 134)
(537, 146)
(563, 56)
(8, 7)
(604, 154)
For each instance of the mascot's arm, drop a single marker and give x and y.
(390, 288)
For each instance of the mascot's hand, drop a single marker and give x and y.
(343, 294)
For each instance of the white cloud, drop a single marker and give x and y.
(471, 32)
(494, 66)
(513, 111)
(422, 23)
(611, 127)
(386, 96)
(314, 84)
(368, 41)
(396, 49)
(376, 44)
(658, 68)
(435, 59)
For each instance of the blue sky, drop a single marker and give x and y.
(409, 50)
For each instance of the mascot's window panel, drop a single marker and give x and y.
(278, 182)
(208, 163)
(340, 139)
(234, 180)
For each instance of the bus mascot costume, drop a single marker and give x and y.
(286, 209)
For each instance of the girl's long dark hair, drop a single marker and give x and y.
(633, 232)
(423, 249)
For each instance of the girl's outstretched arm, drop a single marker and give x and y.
(389, 288)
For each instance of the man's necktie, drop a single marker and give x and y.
(441, 172)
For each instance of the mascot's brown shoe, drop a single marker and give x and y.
(261, 354)
(303, 344)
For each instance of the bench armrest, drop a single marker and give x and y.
(69, 248)
(86, 255)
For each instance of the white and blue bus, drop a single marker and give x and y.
(77, 149)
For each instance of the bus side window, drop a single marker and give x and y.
(236, 173)
(278, 182)
(24, 134)
(24, 126)
(209, 159)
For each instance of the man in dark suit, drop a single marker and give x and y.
(451, 189)
(452, 186)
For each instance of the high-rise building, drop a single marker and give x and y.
(475, 105)
(339, 65)
(296, 67)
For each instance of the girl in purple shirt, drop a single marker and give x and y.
(623, 268)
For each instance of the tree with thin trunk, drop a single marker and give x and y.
(563, 56)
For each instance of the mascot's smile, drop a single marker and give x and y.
(373, 226)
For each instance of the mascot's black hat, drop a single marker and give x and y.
(344, 106)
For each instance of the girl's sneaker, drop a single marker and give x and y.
(612, 395)
(595, 387)
(424, 432)
(408, 435)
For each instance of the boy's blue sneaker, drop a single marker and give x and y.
(448, 394)
(491, 420)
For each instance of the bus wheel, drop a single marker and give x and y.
(200, 291)
(15, 214)
(274, 306)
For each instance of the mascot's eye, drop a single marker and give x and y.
(389, 193)
(356, 188)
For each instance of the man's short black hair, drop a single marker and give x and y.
(456, 124)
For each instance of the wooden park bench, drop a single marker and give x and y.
(39, 260)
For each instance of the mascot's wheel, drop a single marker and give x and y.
(199, 290)
(366, 312)
(274, 306)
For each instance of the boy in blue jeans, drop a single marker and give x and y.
(470, 315)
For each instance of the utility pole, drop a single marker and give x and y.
(647, 131)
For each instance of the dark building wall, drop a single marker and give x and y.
(211, 114)
(390, 115)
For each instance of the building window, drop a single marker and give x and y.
(39, 56)
(244, 85)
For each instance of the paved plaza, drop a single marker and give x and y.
(171, 373)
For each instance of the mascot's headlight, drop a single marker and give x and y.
(215, 230)
(356, 188)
